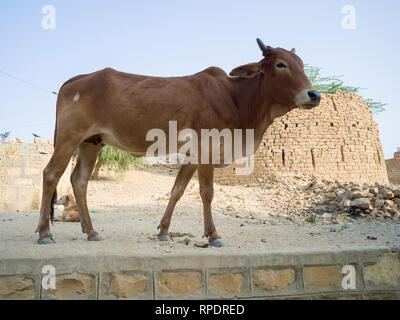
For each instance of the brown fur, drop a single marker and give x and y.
(70, 213)
(118, 109)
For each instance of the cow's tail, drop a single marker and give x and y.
(53, 201)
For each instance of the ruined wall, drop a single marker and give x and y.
(393, 170)
(21, 171)
(338, 140)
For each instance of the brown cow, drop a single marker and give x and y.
(118, 109)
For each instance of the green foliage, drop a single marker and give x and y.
(117, 159)
(312, 219)
(121, 160)
(330, 84)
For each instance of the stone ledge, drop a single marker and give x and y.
(283, 275)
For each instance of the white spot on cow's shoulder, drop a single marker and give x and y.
(76, 97)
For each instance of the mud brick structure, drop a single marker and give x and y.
(338, 140)
(397, 154)
(393, 170)
(21, 175)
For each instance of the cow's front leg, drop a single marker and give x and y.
(182, 179)
(206, 181)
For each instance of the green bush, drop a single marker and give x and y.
(117, 159)
(330, 84)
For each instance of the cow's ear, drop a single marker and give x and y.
(246, 71)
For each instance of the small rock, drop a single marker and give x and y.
(186, 241)
(359, 194)
(379, 203)
(201, 244)
(344, 204)
(326, 215)
(387, 194)
(340, 192)
(374, 191)
(361, 203)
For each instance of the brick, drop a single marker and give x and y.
(179, 283)
(274, 279)
(385, 273)
(16, 287)
(126, 285)
(34, 163)
(10, 171)
(23, 182)
(8, 195)
(30, 171)
(231, 283)
(72, 287)
(323, 278)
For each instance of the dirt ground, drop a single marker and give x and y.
(126, 211)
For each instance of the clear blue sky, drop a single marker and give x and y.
(168, 38)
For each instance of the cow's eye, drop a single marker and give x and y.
(281, 65)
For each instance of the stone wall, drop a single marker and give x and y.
(21, 175)
(338, 140)
(393, 170)
(283, 275)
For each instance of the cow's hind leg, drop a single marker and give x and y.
(51, 175)
(184, 175)
(87, 156)
(206, 181)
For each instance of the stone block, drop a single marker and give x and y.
(73, 286)
(322, 278)
(127, 285)
(228, 283)
(385, 273)
(178, 284)
(31, 171)
(17, 288)
(11, 171)
(276, 281)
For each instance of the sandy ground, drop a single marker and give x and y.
(126, 212)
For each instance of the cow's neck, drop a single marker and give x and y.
(256, 105)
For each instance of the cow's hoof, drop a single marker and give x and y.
(164, 237)
(46, 240)
(218, 243)
(95, 237)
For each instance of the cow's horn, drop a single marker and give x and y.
(293, 50)
(262, 46)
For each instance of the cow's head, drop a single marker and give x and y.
(285, 78)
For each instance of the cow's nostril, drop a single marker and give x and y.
(314, 95)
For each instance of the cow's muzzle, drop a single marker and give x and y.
(315, 96)
(308, 99)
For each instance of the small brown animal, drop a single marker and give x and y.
(70, 213)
